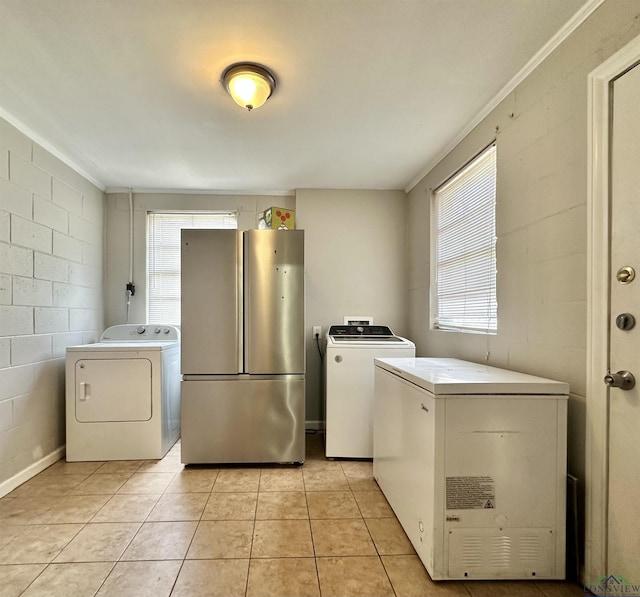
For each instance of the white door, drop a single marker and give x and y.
(623, 540)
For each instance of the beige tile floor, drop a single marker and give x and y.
(156, 528)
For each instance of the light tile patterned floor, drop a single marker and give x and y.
(156, 528)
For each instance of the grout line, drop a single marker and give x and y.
(253, 532)
(200, 519)
(313, 543)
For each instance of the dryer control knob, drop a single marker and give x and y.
(141, 329)
(166, 330)
(156, 330)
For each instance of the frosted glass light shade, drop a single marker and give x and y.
(250, 85)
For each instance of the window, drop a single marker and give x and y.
(163, 258)
(464, 248)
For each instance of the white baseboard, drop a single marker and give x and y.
(31, 471)
(316, 425)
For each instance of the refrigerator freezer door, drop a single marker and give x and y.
(243, 420)
(211, 301)
(274, 301)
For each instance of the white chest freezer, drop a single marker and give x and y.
(472, 459)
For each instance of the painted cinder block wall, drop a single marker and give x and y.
(354, 252)
(541, 218)
(247, 208)
(51, 287)
(355, 244)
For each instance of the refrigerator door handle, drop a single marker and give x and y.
(240, 300)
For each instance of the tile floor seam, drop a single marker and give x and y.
(375, 546)
(36, 578)
(253, 532)
(175, 580)
(313, 543)
(388, 577)
(130, 541)
(104, 580)
(67, 544)
(314, 480)
(253, 529)
(199, 520)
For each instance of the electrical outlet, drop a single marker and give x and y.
(317, 331)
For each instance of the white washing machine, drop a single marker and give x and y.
(349, 391)
(123, 394)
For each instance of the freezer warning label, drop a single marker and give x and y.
(471, 493)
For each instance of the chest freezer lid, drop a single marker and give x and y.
(453, 376)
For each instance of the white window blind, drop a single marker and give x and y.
(163, 258)
(464, 277)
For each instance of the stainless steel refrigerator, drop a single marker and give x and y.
(243, 350)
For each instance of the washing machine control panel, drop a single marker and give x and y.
(360, 330)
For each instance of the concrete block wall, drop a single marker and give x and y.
(51, 287)
(247, 208)
(354, 252)
(541, 221)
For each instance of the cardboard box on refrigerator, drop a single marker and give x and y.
(276, 218)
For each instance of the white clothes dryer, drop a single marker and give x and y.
(349, 390)
(123, 394)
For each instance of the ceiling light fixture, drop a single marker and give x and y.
(250, 85)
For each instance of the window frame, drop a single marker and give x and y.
(151, 270)
(436, 320)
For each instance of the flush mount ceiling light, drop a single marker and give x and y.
(250, 85)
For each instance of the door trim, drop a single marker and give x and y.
(598, 276)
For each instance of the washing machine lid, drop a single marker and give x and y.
(453, 376)
(370, 342)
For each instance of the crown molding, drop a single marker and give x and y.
(570, 26)
(36, 138)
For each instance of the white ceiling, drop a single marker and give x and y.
(370, 92)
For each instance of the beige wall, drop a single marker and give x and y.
(355, 243)
(51, 284)
(541, 135)
(117, 263)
